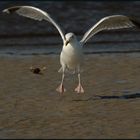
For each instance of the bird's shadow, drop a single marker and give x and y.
(129, 96)
(109, 97)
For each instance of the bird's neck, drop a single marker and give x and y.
(74, 43)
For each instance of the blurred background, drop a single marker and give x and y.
(23, 36)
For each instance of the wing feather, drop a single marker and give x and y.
(36, 14)
(109, 23)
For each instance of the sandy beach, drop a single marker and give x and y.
(31, 108)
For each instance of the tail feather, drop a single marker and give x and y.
(67, 71)
(70, 71)
(60, 70)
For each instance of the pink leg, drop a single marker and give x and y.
(61, 88)
(79, 88)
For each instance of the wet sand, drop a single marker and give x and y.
(31, 108)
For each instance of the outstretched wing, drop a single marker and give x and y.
(109, 23)
(34, 13)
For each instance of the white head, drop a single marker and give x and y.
(70, 37)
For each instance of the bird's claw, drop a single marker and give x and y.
(79, 89)
(61, 89)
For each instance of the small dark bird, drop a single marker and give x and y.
(37, 70)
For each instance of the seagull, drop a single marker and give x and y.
(71, 56)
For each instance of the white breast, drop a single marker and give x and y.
(71, 55)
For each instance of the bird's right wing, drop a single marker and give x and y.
(109, 23)
(34, 13)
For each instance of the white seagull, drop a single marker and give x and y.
(71, 56)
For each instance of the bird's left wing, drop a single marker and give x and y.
(34, 13)
(109, 23)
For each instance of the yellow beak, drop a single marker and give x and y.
(67, 42)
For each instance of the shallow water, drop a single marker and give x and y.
(22, 36)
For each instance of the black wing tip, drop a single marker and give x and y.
(11, 9)
(135, 22)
